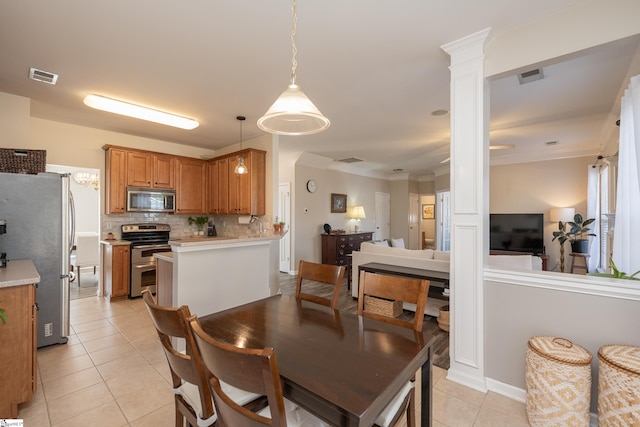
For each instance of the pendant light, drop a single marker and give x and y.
(293, 113)
(241, 168)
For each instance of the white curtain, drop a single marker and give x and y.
(593, 211)
(626, 240)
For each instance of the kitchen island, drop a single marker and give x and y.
(211, 274)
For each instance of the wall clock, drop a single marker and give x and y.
(312, 186)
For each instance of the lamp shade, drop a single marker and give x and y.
(561, 214)
(293, 114)
(356, 212)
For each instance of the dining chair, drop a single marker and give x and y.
(254, 370)
(87, 253)
(193, 400)
(324, 273)
(394, 288)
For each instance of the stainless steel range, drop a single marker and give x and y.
(146, 239)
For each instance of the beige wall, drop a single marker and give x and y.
(312, 210)
(538, 186)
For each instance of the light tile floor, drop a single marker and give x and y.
(112, 372)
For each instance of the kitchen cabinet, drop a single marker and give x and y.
(191, 186)
(116, 180)
(150, 170)
(247, 191)
(17, 348)
(164, 171)
(218, 186)
(116, 270)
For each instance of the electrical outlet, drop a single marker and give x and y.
(48, 329)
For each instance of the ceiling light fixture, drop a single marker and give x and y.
(139, 112)
(293, 113)
(241, 168)
(86, 178)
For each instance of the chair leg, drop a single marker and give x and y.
(179, 417)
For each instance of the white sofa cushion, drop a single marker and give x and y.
(398, 243)
(520, 262)
(388, 250)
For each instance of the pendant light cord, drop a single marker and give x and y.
(294, 49)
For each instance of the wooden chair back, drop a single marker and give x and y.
(325, 273)
(252, 370)
(393, 288)
(173, 323)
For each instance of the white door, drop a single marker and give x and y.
(382, 216)
(284, 214)
(414, 221)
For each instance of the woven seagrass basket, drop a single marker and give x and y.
(558, 376)
(13, 160)
(382, 306)
(619, 385)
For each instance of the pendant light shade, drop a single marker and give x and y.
(241, 168)
(293, 113)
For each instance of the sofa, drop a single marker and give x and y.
(427, 259)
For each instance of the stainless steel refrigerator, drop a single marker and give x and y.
(39, 213)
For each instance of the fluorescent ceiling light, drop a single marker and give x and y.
(143, 113)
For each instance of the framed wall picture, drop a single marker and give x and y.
(428, 212)
(338, 203)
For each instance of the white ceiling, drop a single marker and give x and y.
(375, 68)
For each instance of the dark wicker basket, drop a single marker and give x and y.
(15, 160)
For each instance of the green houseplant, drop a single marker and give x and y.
(617, 274)
(3, 315)
(199, 221)
(576, 232)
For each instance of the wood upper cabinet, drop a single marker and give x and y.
(247, 191)
(150, 170)
(164, 171)
(116, 180)
(139, 169)
(191, 186)
(18, 338)
(218, 186)
(116, 270)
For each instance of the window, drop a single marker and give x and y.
(443, 218)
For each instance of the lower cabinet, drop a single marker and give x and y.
(17, 348)
(116, 270)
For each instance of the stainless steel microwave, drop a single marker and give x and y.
(150, 200)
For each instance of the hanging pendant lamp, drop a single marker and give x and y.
(241, 168)
(293, 113)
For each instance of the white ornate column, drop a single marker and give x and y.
(469, 206)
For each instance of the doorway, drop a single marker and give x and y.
(85, 187)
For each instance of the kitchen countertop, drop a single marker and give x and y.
(164, 256)
(221, 240)
(19, 272)
(115, 242)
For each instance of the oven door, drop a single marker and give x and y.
(143, 268)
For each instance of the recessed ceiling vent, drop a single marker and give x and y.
(530, 76)
(43, 76)
(351, 160)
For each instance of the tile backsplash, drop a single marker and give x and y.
(226, 225)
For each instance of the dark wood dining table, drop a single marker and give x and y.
(342, 367)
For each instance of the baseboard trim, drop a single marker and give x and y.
(520, 395)
(467, 380)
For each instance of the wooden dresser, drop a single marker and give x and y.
(336, 247)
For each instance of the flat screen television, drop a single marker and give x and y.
(517, 232)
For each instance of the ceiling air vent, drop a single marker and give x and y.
(43, 76)
(530, 76)
(351, 160)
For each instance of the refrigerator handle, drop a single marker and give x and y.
(72, 213)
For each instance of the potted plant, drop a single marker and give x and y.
(577, 234)
(617, 274)
(277, 227)
(3, 315)
(199, 221)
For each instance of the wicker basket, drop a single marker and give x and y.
(382, 306)
(13, 160)
(558, 377)
(619, 385)
(443, 318)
